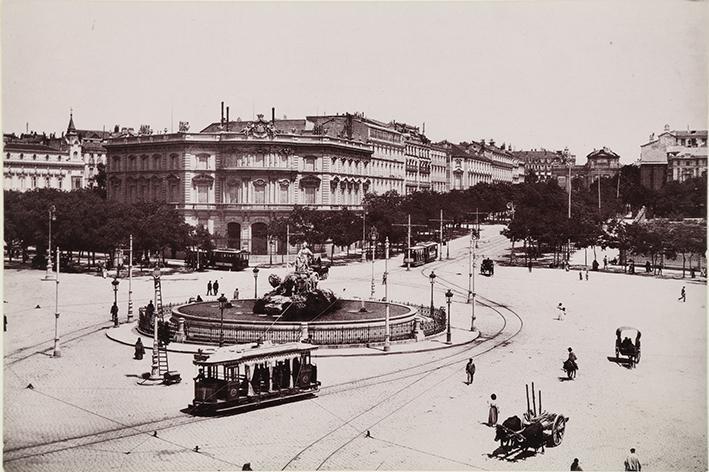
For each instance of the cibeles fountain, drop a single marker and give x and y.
(300, 308)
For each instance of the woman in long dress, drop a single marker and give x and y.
(494, 412)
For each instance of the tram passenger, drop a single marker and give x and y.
(277, 376)
(296, 370)
(286, 374)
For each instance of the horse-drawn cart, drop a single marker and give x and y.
(626, 346)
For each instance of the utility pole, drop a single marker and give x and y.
(387, 335)
(471, 254)
(440, 221)
(130, 279)
(407, 256)
(56, 312)
(364, 235)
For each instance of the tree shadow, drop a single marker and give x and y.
(564, 378)
(621, 361)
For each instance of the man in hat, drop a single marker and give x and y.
(470, 370)
(632, 462)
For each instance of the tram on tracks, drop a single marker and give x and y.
(235, 378)
(231, 259)
(421, 254)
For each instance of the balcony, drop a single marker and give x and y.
(267, 207)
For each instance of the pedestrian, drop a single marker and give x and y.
(575, 465)
(236, 293)
(470, 370)
(560, 310)
(5, 320)
(199, 298)
(648, 267)
(139, 350)
(529, 265)
(683, 295)
(247, 466)
(632, 462)
(209, 287)
(215, 287)
(605, 262)
(114, 315)
(580, 276)
(494, 411)
(659, 268)
(586, 273)
(150, 310)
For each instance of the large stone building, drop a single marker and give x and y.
(505, 166)
(440, 169)
(70, 161)
(673, 155)
(418, 158)
(234, 177)
(467, 168)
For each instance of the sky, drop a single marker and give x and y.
(543, 74)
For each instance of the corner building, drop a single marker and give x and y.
(233, 177)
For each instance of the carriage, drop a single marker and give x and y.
(487, 267)
(535, 431)
(240, 377)
(625, 345)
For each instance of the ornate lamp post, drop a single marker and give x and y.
(222, 304)
(432, 278)
(52, 217)
(115, 299)
(449, 295)
(373, 236)
(387, 334)
(255, 282)
(130, 279)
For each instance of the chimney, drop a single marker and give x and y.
(227, 118)
(222, 119)
(273, 115)
(424, 128)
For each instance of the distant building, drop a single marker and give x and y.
(440, 169)
(467, 168)
(541, 162)
(33, 161)
(673, 155)
(600, 163)
(418, 157)
(505, 166)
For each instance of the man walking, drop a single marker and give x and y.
(470, 370)
(215, 287)
(236, 293)
(114, 315)
(632, 462)
(209, 287)
(682, 295)
(561, 311)
(605, 262)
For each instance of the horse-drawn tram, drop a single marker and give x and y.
(421, 254)
(234, 378)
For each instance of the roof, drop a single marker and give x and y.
(71, 128)
(89, 146)
(245, 353)
(30, 147)
(282, 126)
(599, 152)
(534, 155)
(695, 133)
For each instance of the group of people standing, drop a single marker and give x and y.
(213, 288)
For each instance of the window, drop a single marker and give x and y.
(172, 192)
(33, 182)
(283, 194)
(116, 163)
(174, 164)
(309, 164)
(156, 162)
(258, 160)
(144, 164)
(310, 195)
(75, 182)
(259, 193)
(232, 193)
(203, 193)
(203, 162)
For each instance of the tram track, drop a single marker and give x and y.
(431, 368)
(123, 431)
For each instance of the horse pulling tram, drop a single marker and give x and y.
(234, 378)
(421, 254)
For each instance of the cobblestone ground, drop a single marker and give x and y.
(86, 411)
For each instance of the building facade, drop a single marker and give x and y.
(505, 167)
(418, 158)
(541, 162)
(34, 161)
(234, 177)
(673, 156)
(440, 169)
(600, 163)
(467, 168)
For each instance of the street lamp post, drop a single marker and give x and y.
(56, 312)
(373, 236)
(52, 217)
(255, 282)
(115, 300)
(130, 279)
(387, 334)
(222, 304)
(432, 278)
(364, 236)
(271, 243)
(568, 246)
(449, 296)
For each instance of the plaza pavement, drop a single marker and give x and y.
(86, 411)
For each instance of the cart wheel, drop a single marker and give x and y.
(637, 357)
(557, 430)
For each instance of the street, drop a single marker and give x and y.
(418, 411)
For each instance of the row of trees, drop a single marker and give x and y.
(84, 224)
